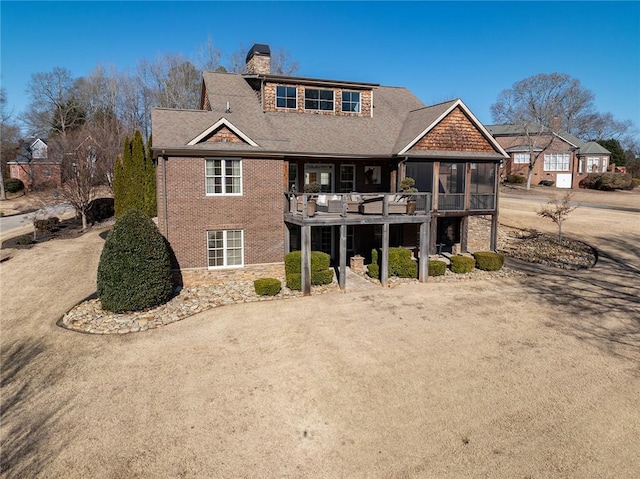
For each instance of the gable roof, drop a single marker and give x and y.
(427, 118)
(25, 151)
(399, 117)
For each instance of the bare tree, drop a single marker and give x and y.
(9, 139)
(557, 211)
(210, 57)
(54, 106)
(80, 156)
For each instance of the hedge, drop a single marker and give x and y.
(401, 264)
(437, 268)
(293, 261)
(488, 260)
(462, 264)
(267, 286)
(517, 179)
(13, 185)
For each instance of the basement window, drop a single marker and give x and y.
(225, 248)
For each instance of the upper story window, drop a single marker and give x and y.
(556, 162)
(351, 101)
(286, 97)
(223, 177)
(521, 158)
(318, 99)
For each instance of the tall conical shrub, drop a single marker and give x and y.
(120, 180)
(150, 202)
(134, 272)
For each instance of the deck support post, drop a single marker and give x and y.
(342, 272)
(464, 234)
(493, 245)
(306, 260)
(384, 265)
(423, 262)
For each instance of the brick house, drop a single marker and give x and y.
(33, 166)
(561, 157)
(232, 175)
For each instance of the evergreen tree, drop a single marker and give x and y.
(150, 201)
(120, 183)
(136, 176)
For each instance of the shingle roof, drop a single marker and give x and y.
(398, 117)
(534, 128)
(593, 148)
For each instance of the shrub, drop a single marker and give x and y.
(267, 286)
(488, 260)
(13, 185)
(437, 268)
(401, 264)
(517, 179)
(374, 256)
(25, 240)
(324, 276)
(294, 281)
(546, 183)
(607, 181)
(635, 183)
(462, 264)
(100, 209)
(47, 225)
(134, 272)
(373, 271)
(293, 261)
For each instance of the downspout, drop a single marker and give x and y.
(164, 195)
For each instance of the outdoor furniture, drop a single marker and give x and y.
(373, 206)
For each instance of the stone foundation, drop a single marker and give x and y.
(206, 277)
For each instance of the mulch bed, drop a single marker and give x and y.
(66, 229)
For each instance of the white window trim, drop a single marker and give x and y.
(285, 97)
(224, 250)
(359, 103)
(319, 100)
(517, 158)
(224, 183)
(548, 157)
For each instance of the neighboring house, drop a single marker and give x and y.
(561, 157)
(231, 176)
(34, 167)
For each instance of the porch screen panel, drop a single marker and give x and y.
(422, 172)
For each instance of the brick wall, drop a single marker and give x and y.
(270, 100)
(190, 213)
(37, 174)
(456, 132)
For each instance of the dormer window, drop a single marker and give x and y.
(287, 97)
(351, 101)
(318, 99)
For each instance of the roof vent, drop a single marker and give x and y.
(259, 60)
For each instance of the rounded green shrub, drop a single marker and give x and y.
(488, 260)
(516, 179)
(135, 268)
(13, 185)
(437, 268)
(293, 261)
(462, 264)
(294, 281)
(401, 264)
(324, 276)
(47, 225)
(373, 271)
(267, 286)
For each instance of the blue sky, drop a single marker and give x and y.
(439, 50)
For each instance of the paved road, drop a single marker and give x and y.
(13, 222)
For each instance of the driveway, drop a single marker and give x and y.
(533, 377)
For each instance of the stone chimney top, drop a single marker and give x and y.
(259, 60)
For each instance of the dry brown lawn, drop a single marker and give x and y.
(536, 377)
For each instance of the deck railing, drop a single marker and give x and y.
(451, 201)
(343, 204)
(482, 201)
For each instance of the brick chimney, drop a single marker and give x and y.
(259, 60)
(556, 123)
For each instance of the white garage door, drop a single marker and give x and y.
(563, 180)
